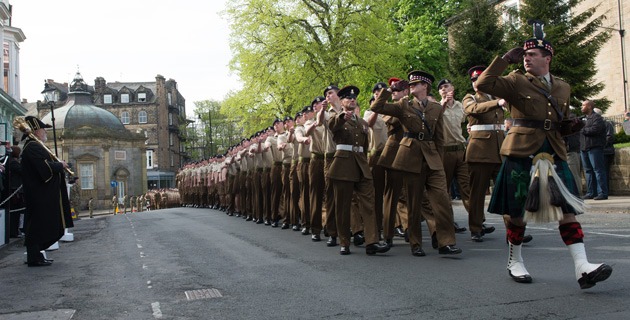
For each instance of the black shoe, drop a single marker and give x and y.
(527, 238)
(259, 221)
(40, 263)
(521, 279)
(285, 226)
(600, 197)
(296, 228)
(476, 237)
(249, 218)
(267, 222)
(399, 232)
(434, 242)
(275, 224)
(449, 250)
(390, 242)
(344, 251)
(487, 229)
(305, 231)
(358, 239)
(600, 274)
(375, 248)
(332, 241)
(458, 229)
(588, 196)
(316, 238)
(418, 252)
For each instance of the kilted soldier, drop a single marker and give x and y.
(539, 105)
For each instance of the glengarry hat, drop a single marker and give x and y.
(417, 76)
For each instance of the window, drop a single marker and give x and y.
(170, 99)
(124, 98)
(120, 155)
(124, 117)
(86, 171)
(107, 98)
(172, 160)
(511, 7)
(170, 119)
(142, 97)
(170, 138)
(149, 159)
(142, 117)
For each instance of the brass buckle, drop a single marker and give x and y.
(420, 135)
(547, 124)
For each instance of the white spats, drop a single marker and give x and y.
(515, 265)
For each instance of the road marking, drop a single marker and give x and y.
(157, 313)
(139, 246)
(202, 294)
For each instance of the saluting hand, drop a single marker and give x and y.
(515, 55)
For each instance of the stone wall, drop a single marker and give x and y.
(620, 173)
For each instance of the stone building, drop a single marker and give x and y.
(158, 110)
(108, 158)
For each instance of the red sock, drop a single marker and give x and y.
(515, 233)
(571, 233)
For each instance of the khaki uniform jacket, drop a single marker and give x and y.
(483, 146)
(395, 134)
(412, 152)
(349, 165)
(527, 102)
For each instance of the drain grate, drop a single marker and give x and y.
(202, 294)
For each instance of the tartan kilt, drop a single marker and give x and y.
(505, 198)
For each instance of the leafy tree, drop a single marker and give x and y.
(212, 132)
(577, 39)
(476, 38)
(286, 52)
(422, 33)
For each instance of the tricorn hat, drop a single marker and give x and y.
(35, 123)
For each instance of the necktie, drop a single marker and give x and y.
(545, 82)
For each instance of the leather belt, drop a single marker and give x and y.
(315, 155)
(487, 127)
(349, 147)
(457, 147)
(277, 163)
(547, 124)
(305, 160)
(417, 135)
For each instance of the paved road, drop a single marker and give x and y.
(140, 266)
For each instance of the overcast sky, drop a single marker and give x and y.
(126, 41)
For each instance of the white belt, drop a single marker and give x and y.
(487, 127)
(349, 147)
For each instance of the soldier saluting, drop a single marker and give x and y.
(538, 103)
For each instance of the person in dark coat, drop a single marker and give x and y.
(15, 182)
(46, 195)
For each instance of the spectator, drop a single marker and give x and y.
(609, 148)
(17, 207)
(626, 123)
(592, 142)
(573, 157)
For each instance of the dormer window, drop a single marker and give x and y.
(124, 98)
(107, 98)
(142, 97)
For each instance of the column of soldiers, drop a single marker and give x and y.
(363, 180)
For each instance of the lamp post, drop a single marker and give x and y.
(51, 96)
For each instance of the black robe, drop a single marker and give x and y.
(45, 195)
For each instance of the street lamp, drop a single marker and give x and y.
(51, 96)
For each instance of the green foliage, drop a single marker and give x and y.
(286, 52)
(621, 137)
(477, 37)
(577, 38)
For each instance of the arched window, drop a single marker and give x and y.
(142, 117)
(124, 117)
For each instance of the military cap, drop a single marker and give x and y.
(393, 80)
(399, 85)
(417, 76)
(298, 114)
(475, 71)
(307, 109)
(330, 87)
(287, 118)
(348, 92)
(533, 43)
(277, 120)
(378, 86)
(317, 100)
(442, 82)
